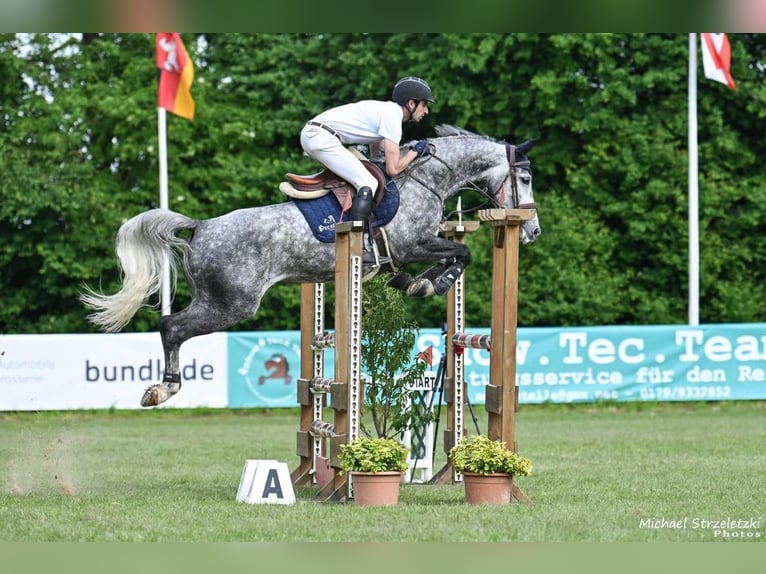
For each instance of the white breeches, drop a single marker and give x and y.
(328, 150)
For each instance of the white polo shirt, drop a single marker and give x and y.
(365, 122)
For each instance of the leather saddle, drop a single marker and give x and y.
(325, 181)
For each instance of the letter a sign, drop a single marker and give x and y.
(265, 482)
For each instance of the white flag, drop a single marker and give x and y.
(716, 58)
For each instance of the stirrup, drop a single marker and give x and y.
(372, 261)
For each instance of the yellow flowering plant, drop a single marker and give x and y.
(373, 454)
(481, 455)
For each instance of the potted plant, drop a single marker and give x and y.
(376, 465)
(488, 468)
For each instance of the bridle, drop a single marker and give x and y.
(513, 165)
(498, 197)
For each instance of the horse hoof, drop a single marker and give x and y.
(420, 288)
(159, 393)
(151, 397)
(401, 281)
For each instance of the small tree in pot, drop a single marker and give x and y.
(388, 340)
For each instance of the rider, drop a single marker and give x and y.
(374, 122)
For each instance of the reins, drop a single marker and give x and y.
(497, 199)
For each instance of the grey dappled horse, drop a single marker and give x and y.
(231, 260)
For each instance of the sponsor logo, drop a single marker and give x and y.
(268, 373)
(328, 223)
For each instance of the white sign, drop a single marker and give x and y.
(97, 371)
(265, 482)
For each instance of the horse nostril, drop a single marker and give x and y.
(537, 231)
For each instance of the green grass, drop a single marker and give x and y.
(172, 476)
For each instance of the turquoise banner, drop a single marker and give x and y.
(559, 365)
(642, 363)
(263, 368)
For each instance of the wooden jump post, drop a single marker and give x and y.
(501, 399)
(345, 390)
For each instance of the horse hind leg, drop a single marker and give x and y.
(171, 380)
(197, 319)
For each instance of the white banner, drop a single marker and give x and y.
(97, 371)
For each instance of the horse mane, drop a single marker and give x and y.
(447, 130)
(444, 130)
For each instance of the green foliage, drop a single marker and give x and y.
(79, 144)
(388, 339)
(373, 454)
(482, 455)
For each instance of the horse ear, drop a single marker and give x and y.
(526, 146)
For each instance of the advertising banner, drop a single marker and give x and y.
(264, 369)
(261, 369)
(99, 371)
(635, 363)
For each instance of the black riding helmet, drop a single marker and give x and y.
(411, 88)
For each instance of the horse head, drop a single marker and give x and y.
(520, 181)
(500, 171)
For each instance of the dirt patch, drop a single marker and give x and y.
(39, 465)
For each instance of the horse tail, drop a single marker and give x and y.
(143, 244)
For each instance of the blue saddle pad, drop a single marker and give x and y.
(324, 213)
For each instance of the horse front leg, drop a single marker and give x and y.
(171, 380)
(439, 278)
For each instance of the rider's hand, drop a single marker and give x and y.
(421, 148)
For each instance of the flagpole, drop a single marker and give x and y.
(693, 187)
(163, 157)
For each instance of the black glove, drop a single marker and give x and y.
(421, 148)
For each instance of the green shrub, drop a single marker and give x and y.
(368, 454)
(480, 454)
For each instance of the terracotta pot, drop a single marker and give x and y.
(376, 488)
(487, 488)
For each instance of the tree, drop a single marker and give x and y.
(79, 146)
(388, 339)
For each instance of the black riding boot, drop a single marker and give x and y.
(360, 210)
(361, 207)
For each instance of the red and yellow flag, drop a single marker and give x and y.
(176, 75)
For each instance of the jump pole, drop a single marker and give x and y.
(454, 391)
(345, 389)
(501, 395)
(310, 448)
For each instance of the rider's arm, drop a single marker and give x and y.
(396, 163)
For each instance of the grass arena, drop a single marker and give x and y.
(669, 472)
